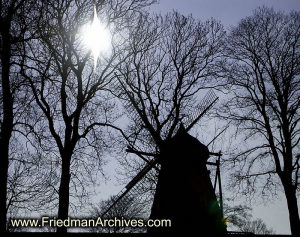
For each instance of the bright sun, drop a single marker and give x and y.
(96, 37)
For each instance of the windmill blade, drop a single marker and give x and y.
(208, 101)
(131, 189)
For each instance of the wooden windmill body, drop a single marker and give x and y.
(184, 192)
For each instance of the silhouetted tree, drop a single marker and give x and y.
(131, 208)
(257, 227)
(263, 69)
(236, 215)
(239, 218)
(68, 90)
(15, 20)
(174, 61)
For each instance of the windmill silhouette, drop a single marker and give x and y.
(174, 184)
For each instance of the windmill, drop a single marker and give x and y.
(134, 187)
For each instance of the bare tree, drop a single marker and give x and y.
(236, 215)
(15, 19)
(257, 227)
(69, 91)
(132, 208)
(174, 61)
(239, 218)
(263, 54)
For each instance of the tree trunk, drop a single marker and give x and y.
(290, 194)
(64, 192)
(3, 183)
(7, 123)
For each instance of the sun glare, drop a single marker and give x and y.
(96, 37)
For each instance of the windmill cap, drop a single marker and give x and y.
(184, 140)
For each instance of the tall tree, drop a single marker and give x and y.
(263, 68)
(174, 61)
(66, 86)
(14, 23)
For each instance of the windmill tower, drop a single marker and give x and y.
(184, 192)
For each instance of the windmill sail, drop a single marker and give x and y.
(132, 189)
(205, 104)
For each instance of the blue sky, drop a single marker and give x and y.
(229, 12)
